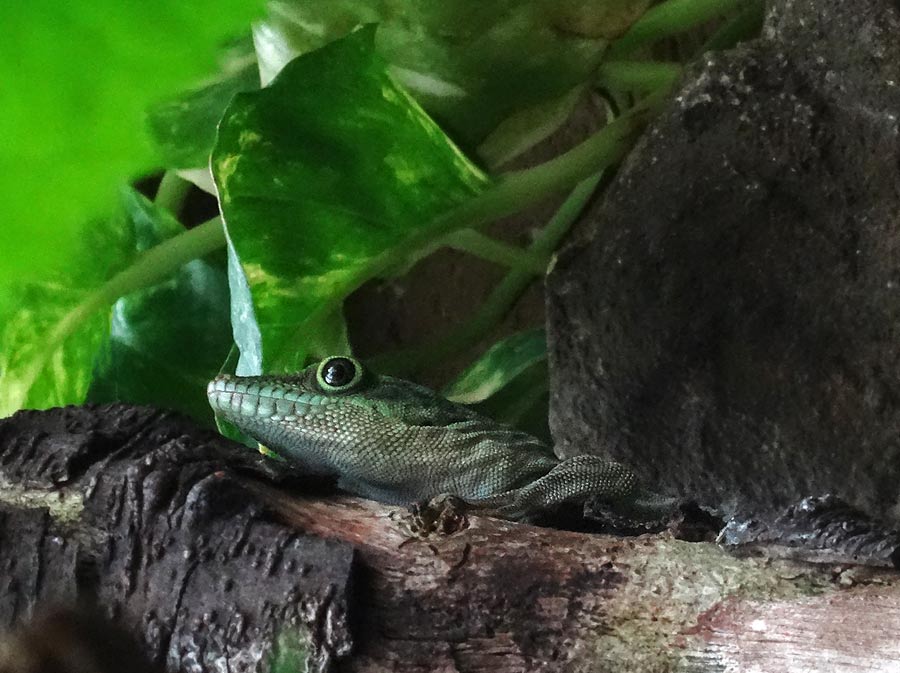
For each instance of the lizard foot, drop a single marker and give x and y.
(441, 515)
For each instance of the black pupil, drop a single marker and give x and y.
(338, 372)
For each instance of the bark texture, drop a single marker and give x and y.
(187, 540)
(138, 512)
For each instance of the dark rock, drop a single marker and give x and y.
(731, 325)
(819, 530)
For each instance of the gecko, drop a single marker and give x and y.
(391, 440)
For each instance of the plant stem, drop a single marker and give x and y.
(580, 167)
(516, 190)
(501, 299)
(745, 25)
(161, 261)
(151, 267)
(172, 192)
(669, 18)
(637, 75)
(477, 244)
(512, 192)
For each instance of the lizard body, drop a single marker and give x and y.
(397, 442)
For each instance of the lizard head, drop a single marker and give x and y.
(334, 408)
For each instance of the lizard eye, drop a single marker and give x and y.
(338, 373)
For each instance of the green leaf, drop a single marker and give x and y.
(55, 334)
(501, 364)
(50, 331)
(321, 176)
(77, 78)
(527, 128)
(471, 65)
(524, 403)
(184, 127)
(41, 365)
(168, 340)
(509, 383)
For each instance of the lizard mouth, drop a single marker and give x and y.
(288, 420)
(260, 397)
(232, 399)
(229, 396)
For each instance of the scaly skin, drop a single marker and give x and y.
(397, 442)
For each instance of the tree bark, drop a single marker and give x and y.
(186, 539)
(138, 511)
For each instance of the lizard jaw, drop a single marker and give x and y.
(287, 419)
(251, 398)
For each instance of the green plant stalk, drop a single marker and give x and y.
(291, 652)
(669, 18)
(161, 261)
(477, 244)
(172, 192)
(745, 25)
(512, 193)
(603, 150)
(501, 299)
(517, 190)
(637, 75)
(151, 267)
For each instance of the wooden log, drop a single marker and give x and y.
(138, 512)
(182, 536)
(499, 596)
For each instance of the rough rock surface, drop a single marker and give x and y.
(731, 325)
